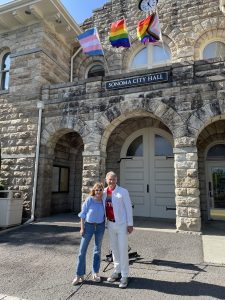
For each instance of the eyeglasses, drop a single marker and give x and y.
(99, 190)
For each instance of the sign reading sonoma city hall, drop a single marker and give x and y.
(137, 80)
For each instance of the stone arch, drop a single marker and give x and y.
(211, 35)
(137, 46)
(137, 107)
(203, 117)
(82, 62)
(57, 127)
(62, 145)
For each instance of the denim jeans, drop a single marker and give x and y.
(89, 230)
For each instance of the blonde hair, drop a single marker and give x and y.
(97, 185)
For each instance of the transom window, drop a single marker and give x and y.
(214, 49)
(4, 72)
(162, 146)
(151, 56)
(96, 70)
(136, 147)
(217, 151)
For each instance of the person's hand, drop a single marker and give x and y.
(81, 231)
(130, 229)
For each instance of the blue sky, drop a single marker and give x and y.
(79, 9)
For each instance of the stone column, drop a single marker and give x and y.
(93, 170)
(187, 189)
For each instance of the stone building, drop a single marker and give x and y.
(154, 114)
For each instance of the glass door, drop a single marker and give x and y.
(216, 191)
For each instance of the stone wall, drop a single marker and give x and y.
(38, 57)
(186, 26)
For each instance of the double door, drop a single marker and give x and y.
(147, 171)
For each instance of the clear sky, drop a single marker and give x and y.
(79, 9)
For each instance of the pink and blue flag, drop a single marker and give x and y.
(89, 41)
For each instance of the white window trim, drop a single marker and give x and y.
(149, 64)
(206, 43)
(2, 54)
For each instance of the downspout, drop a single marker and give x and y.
(40, 106)
(71, 64)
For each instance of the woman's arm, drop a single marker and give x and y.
(81, 226)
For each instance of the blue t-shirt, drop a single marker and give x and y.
(92, 211)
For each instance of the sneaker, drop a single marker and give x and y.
(113, 277)
(78, 279)
(123, 282)
(96, 277)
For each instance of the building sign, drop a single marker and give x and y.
(137, 80)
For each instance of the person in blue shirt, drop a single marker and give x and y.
(92, 222)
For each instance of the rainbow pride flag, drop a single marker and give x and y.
(148, 30)
(118, 35)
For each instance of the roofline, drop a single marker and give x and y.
(56, 3)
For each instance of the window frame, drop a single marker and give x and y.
(149, 64)
(57, 179)
(4, 72)
(206, 44)
(91, 66)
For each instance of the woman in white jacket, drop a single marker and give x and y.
(118, 209)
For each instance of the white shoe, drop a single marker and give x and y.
(123, 282)
(77, 280)
(96, 277)
(113, 277)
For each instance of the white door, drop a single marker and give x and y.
(147, 172)
(216, 190)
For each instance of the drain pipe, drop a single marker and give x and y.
(71, 64)
(40, 106)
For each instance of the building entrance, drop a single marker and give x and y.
(216, 190)
(147, 171)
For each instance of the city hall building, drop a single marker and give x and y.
(154, 114)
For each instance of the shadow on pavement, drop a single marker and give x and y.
(192, 288)
(41, 234)
(177, 265)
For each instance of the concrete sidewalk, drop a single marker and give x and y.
(38, 260)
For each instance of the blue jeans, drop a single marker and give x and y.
(89, 230)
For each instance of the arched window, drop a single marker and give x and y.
(162, 146)
(96, 70)
(4, 73)
(214, 49)
(151, 56)
(136, 147)
(217, 151)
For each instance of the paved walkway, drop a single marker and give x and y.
(37, 262)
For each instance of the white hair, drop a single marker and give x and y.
(111, 173)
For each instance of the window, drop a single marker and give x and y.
(96, 70)
(151, 56)
(60, 182)
(4, 74)
(136, 147)
(215, 49)
(217, 151)
(162, 146)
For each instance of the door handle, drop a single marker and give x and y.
(147, 188)
(210, 189)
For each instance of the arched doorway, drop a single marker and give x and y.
(147, 171)
(211, 156)
(140, 151)
(60, 174)
(67, 174)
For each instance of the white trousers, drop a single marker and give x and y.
(118, 239)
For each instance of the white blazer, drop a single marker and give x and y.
(122, 206)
